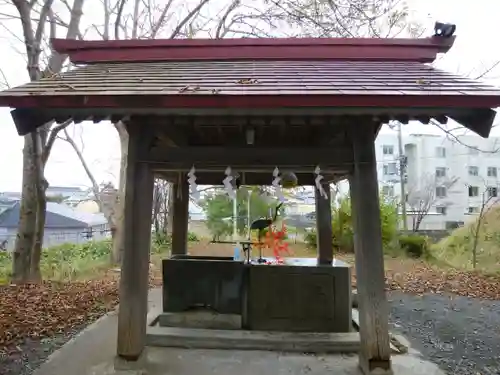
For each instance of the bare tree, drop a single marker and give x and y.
(455, 132)
(171, 19)
(429, 192)
(161, 200)
(489, 197)
(346, 18)
(143, 20)
(37, 22)
(101, 196)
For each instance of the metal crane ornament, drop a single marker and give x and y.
(260, 225)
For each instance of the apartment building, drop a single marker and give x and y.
(454, 175)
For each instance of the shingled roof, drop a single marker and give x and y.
(260, 73)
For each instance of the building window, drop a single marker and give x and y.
(492, 192)
(390, 169)
(388, 150)
(473, 191)
(440, 191)
(440, 172)
(473, 210)
(440, 152)
(454, 224)
(473, 171)
(492, 171)
(388, 190)
(441, 210)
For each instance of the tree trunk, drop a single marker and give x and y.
(476, 232)
(39, 139)
(27, 216)
(170, 214)
(36, 254)
(166, 210)
(119, 235)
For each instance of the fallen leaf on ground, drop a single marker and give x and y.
(38, 311)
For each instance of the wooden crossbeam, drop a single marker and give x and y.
(250, 158)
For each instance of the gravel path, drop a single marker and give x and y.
(33, 353)
(459, 334)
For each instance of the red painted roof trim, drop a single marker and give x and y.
(251, 101)
(367, 49)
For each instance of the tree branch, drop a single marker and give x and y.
(4, 82)
(135, 19)
(188, 18)
(95, 185)
(221, 27)
(51, 140)
(157, 26)
(456, 139)
(56, 61)
(44, 15)
(119, 18)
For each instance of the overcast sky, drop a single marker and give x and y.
(475, 50)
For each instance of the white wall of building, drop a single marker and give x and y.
(474, 171)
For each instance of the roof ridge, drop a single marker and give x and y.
(7, 210)
(383, 49)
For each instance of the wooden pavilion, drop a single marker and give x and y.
(308, 102)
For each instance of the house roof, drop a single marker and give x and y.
(59, 216)
(66, 189)
(257, 74)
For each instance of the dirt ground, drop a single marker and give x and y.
(204, 247)
(396, 266)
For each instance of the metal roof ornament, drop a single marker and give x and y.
(444, 30)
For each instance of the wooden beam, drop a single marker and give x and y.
(134, 279)
(373, 307)
(258, 158)
(324, 226)
(180, 216)
(172, 136)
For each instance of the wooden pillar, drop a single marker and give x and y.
(324, 226)
(372, 301)
(180, 217)
(134, 282)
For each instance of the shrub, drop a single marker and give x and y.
(92, 250)
(68, 261)
(193, 237)
(310, 238)
(414, 245)
(342, 229)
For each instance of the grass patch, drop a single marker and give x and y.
(78, 262)
(66, 262)
(456, 249)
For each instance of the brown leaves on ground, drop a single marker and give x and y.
(418, 277)
(42, 310)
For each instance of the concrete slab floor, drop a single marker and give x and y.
(172, 361)
(92, 352)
